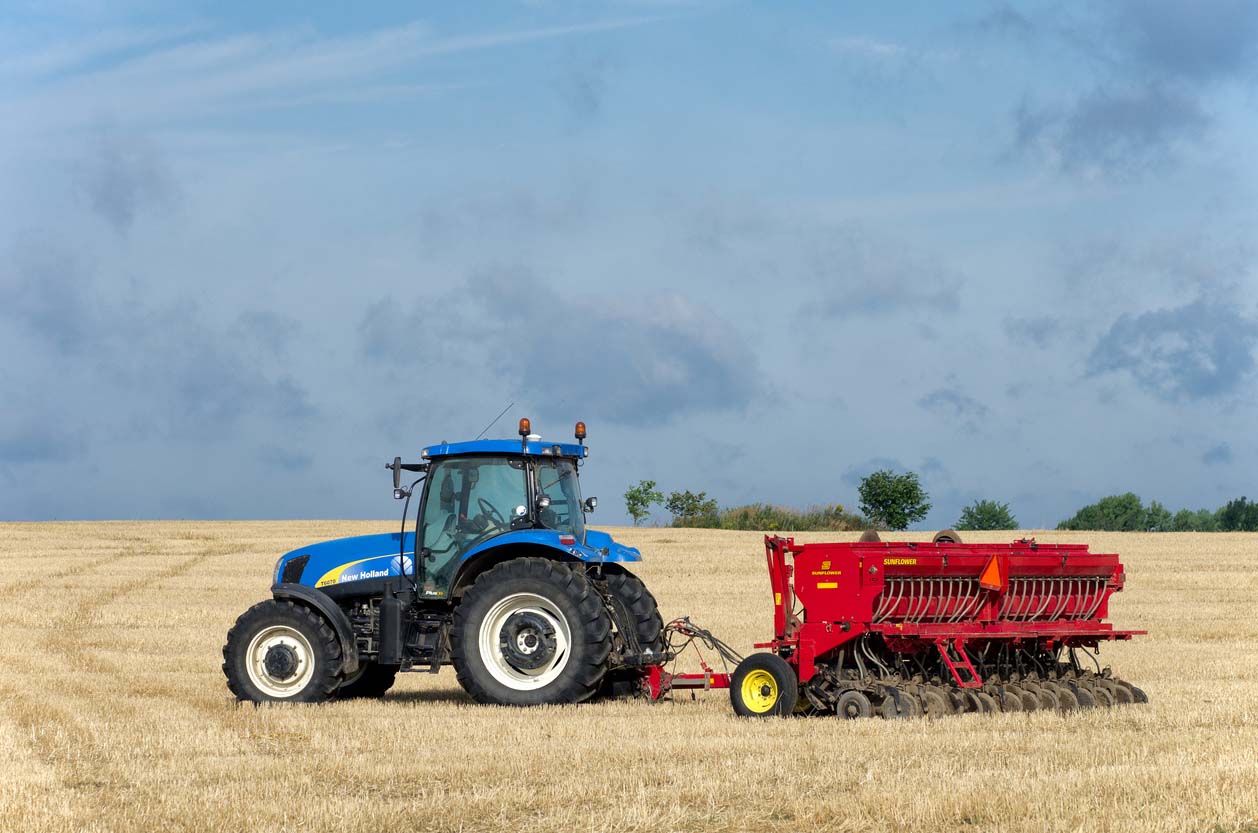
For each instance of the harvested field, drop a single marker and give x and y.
(114, 715)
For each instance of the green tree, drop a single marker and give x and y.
(1115, 513)
(1240, 515)
(986, 514)
(1122, 513)
(690, 509)
(1202, 520)
(893, 500)
(639, 500)
(1157, 518)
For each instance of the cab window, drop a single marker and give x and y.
(470, 500)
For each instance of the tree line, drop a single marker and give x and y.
(887, 501)
(1127, 513)
(890, 500)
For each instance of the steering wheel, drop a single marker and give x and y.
(491, 514)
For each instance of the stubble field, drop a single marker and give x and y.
(114, 715)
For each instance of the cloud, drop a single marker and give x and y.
(867, 48)
(45, 293)
(878, 66)
(122, 174)
(583, 86)
(1158, 70)
(1218, 454)
(1006, 21)
(640, 361)
(952, 404)
(382, 332)
(1036, 330)
(1113, 130)
(169, 368)
(1197, 351)
(71, 53)
(857, 472)
(206, 384)
(46, 441)
(193, 79)
(1202, 41)
(265, 330)
(857, 275)
(285, 459)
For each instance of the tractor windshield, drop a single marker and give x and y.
(557, 480)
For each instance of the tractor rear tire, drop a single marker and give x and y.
(637, 607)
(531, 632)
(280, 651)
(764, 685)
(371, 680)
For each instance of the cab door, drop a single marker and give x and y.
(467, 501)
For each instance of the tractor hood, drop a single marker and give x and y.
(347, 559)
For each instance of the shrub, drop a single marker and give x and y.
(770, 518)
(986, 514)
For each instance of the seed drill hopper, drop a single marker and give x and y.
(934, 628)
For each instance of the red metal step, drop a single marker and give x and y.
(959, 665)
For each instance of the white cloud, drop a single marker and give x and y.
(234, 73)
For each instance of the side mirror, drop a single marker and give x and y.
(396, 465)
(590, 503)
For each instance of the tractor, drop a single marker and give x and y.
(499, 577)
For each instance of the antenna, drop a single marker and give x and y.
(491, 425)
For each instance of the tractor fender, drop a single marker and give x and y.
(322, 604)
(483, 558)
(599, 548)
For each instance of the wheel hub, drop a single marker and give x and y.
(280, 662)
(760, 691)
(527, 640)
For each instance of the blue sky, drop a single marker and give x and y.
(248, 252)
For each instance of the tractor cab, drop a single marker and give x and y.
(477, 491)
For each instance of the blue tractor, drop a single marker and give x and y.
(500, 578)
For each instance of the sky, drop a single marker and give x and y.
(251, 251)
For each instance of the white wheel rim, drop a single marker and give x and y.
(524, 679)
(255, 661)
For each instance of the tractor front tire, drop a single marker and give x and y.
(279, 651)
(369, 681)
(530, 632)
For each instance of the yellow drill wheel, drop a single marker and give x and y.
(764, 685)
